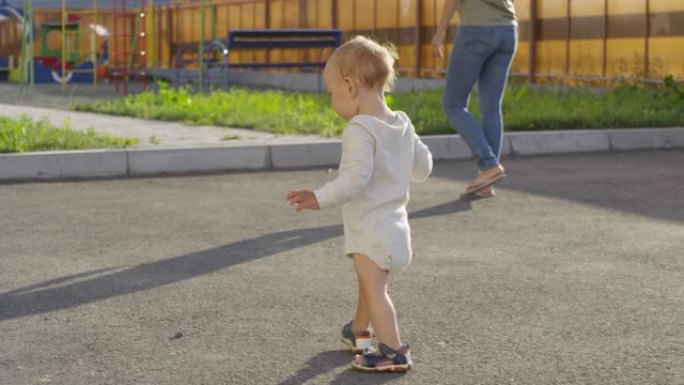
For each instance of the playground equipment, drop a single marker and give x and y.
(26, 46)
(73, 64)
(129, 54)
(67, 63)
(572, 42)
(61, 61)
(211, 54)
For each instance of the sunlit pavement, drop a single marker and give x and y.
(573, 274)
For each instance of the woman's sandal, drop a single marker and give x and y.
(385, 359)
(482, 183)
(487, 192)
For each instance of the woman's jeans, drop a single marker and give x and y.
(481, 54)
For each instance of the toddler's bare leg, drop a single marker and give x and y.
(380, 307)
(362, 320)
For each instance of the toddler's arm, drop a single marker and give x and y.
(422, 160)
(356, 168)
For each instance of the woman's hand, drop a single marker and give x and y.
(450, 7)
(304, 199)
(438, 43)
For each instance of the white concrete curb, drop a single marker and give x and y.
(536, 143)
(653, 138)
(197, 159)
(323, 153)
(309, 154)
(63, 165)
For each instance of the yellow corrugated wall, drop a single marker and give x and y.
(559, 39)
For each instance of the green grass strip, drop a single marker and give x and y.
(310, 113)
(26, 135)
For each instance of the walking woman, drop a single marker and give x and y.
(483, 49)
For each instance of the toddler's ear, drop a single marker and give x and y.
(350, 86)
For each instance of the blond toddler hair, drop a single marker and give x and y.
(367, 61)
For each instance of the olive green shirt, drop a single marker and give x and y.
(487, 12)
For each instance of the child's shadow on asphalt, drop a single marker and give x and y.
(327, 361)
(96, 285)
(351, 376)
(453, 207)
(318, 364)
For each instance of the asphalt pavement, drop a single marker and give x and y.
(572, 275)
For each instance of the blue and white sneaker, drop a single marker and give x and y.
(358, 342)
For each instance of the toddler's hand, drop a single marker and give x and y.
(304, 199)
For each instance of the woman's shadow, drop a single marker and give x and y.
(78, 289)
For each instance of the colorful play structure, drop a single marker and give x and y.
(42, 63)
(72, 46)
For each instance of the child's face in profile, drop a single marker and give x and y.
(342, 91)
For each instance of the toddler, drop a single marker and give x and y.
(381, 155)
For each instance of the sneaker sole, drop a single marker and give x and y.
(390, 368)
